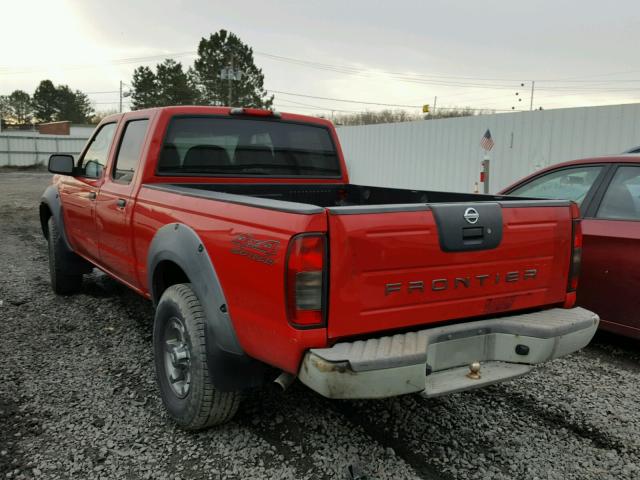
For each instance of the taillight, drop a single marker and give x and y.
(576, 249)
(306, 280)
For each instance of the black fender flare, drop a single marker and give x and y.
(229, 367)
(50, 203)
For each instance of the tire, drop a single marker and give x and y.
(180, 357)
(62, 282)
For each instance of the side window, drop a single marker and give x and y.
(622, 199)
(128, 155)
(95, 158)
(566, 184)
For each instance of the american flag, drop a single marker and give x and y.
(486, 142)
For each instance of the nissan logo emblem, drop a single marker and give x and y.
(471, 215)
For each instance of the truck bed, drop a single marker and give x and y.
(401, 258)
(335, 195)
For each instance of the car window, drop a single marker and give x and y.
(622, 199)
(566, 184)
(129, 152)
(95, 158)
(225, 146)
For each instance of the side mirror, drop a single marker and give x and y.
(61, 163)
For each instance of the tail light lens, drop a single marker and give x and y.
(576, 250)
(306, 280)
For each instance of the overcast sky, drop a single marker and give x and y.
(467, 53)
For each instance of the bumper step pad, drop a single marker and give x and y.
(397, 364)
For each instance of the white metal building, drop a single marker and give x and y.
(446, 154)
(19, 149)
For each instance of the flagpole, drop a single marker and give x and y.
(486, 162)
(486, 143)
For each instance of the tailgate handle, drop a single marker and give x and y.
(460, 233)
(472, 235)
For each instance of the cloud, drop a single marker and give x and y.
(465, 53)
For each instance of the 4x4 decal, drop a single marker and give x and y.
(263, 251)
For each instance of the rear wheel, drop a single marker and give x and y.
(181, 363)
(62, 282)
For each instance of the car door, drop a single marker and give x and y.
(610, 278)
(115, 203)
(79, 193)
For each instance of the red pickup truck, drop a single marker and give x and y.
(265, 263)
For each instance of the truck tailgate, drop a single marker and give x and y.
(398, 268)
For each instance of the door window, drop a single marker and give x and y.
(95, 158)
(128, 155)
(622, 200)
(566, 184)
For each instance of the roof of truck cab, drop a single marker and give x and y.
(209, 110)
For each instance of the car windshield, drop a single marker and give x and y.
(247, 147)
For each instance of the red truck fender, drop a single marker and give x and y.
(178, 255)
(51, 207)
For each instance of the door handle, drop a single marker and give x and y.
(91, 195)
(121, 203)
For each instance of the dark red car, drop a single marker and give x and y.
(608, 192)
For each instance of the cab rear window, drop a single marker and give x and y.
(245, 147)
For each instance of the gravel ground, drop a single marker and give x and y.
(78, 399)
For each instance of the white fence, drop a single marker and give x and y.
(436, 154)
(446, 154)
(24, 150)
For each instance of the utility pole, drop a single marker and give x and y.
(231, 76)
(435, 100)
(533, 85)
(120, 109)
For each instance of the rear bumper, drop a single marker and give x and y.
(436, 361)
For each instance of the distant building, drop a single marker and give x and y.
(54, 128)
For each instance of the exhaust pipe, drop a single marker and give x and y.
(284, 380)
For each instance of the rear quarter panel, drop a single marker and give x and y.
(252, 281)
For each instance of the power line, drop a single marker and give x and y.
(116, 102)
(344, 100)
(351, 69)
(6, 70)
(433, 78)
(98, 93)
(367, 102)
(569, 86)
(318, 107)
(321, 109)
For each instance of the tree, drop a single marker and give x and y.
(221, 51)
(458, 112)
(97, 117)
(145, 89)
(168, 85)
(45, 101)
(51, 103)
(72, 106)
(5, 110)
(397, 116)
(382, 116)
(20, 107)
(174, 87)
